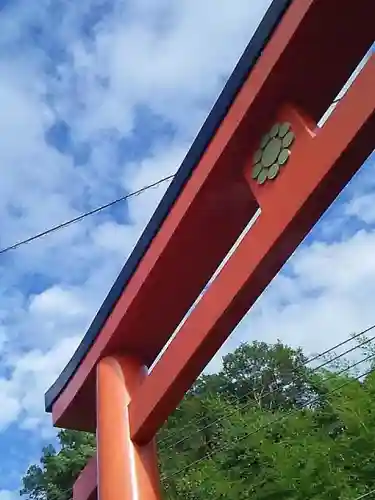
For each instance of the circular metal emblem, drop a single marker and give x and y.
(273, 153)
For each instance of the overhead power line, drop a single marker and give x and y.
(171, 443)
(250, 403)
(69, 222)
(85, 214)
(365, 495)
(272, 422)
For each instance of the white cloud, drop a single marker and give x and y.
(170, 62)
(363, 208)
(30, 376)
(172, 59)
(323, 295)
(146, 64)
(8, 495)
(54, 302)
(10, 405)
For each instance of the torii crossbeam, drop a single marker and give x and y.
(260, 149)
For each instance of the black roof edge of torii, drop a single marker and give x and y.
(247, 61)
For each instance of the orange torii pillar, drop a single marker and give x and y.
(260, 149)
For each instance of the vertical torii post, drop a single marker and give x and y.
(260, 149)
(125, 469)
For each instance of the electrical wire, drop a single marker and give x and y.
(270, 393)
(96, 210)
(227, 415)
(365, 495)
(277, 420)
(235, 399)
(335, 101)
(84, 215)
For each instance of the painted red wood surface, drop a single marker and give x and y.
(312, 53)
(321, 163)
(125, 469)
(85, 487)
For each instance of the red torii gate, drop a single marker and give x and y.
(259, 149)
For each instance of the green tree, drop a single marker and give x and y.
(273, 376)
(53, 479)
(266, 427)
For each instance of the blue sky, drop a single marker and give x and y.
(98, 99)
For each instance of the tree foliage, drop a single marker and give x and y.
(266, 427)
(54, 477)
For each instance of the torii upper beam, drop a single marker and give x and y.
(260, 148)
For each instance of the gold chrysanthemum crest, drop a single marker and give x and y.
(273, 153)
